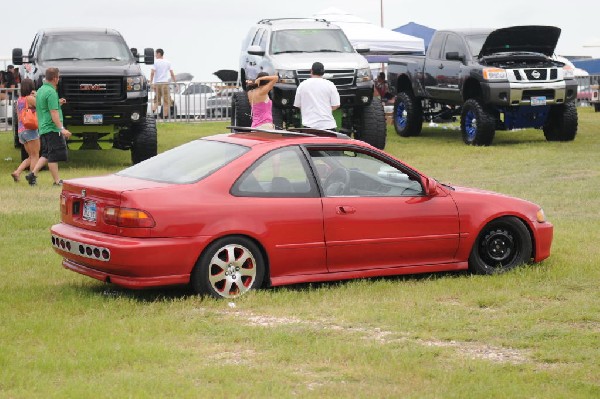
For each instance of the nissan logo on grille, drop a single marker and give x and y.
(92, 87)
(535, 74)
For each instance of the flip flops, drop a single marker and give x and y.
(15, 177)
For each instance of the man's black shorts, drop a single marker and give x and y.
(54, 147)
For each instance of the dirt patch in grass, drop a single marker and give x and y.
(472, 350)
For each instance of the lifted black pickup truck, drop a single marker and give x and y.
(105, 89)
(503, 79)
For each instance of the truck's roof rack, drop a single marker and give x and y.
(307, 132)
(269, 21)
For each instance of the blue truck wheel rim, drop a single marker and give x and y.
(471, 125)
(400, 115)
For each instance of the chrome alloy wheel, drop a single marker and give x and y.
(232, 271)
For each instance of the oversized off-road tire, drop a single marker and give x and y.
(144, 140)
(370, 124)
(228, 268)
(408, 115)
(597, 107)
(561, 124)
(477, 123)
(278, 117)
(241, 114)
(501, 245)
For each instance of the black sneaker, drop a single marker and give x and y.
(59, 183)
(31, 178)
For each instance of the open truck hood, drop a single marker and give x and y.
(536, 39)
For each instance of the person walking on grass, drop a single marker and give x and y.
(159, 76)
(260, 103)
(50, 126)
(30, 138)
(317, 98)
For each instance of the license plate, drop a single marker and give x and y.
(89, 211)
(92, 119)
(541, 100)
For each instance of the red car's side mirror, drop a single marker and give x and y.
(430, 186)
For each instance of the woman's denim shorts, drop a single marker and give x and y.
(28, 135)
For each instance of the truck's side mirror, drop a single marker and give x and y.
(17, 56)
(362, 48)
(454, 56)
(148, 56)
(256, 50)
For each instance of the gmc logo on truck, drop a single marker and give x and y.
(92, 87)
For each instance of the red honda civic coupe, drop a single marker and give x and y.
(233, 212)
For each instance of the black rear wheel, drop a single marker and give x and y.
(562, 122)
(145, 142)
(241, 114)
(370, 124)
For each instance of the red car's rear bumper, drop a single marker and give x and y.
(126, 261)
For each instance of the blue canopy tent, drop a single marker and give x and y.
(590, 65)
(417, 30)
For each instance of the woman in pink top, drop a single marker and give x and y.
(260, 103)
(29, 138)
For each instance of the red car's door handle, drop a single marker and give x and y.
(345, 210)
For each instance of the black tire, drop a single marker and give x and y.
(278, 117)
(561, 124)
(241, 114)
(477, 123)
(597, 107)
(370, 125)
(228, 268)
(501, 245)
(408, 115)
(144, 143)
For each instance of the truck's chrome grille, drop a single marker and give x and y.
(91, 88)
(339, 77)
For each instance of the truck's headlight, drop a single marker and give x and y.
(568, 72)
(286, 76)
(136, 83)
(494, 74)
(363, 75)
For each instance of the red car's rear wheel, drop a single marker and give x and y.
(228, 268)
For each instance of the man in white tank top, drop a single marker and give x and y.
(317, 98)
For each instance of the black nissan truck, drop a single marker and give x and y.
(502, 79)
(103, 83)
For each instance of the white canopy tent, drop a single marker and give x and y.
(382, 42)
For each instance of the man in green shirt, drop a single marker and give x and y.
(50, 125)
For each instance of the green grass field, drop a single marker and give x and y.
(531, 333)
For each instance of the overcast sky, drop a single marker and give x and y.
(202, 36)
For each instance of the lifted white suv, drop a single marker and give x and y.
(288, 47)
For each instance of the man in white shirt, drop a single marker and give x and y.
(317, 98)
(159, 76)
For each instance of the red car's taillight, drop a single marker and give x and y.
(127, 217)
(63, 204)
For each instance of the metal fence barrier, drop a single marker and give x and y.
(195, 101)
(8, 97)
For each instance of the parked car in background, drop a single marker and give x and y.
(219, 105)
(234, 212)
(191, 100)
